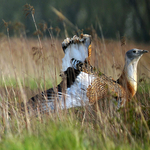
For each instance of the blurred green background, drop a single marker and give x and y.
(110, 18)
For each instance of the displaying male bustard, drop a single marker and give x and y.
(80, 86)
(68, 93)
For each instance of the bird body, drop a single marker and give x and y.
(73, 96)
(76, 94)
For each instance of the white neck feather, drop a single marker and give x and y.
(77, 51)
(131, 71)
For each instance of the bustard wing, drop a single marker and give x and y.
(45, 100)
(102, 86)
(105, 87)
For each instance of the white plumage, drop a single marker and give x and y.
(74, 96)
(76, 48)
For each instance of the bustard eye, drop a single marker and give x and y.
(134, 51)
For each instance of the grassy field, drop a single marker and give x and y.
(26, 69)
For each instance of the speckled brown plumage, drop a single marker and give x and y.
(124, 88)
(103, 87)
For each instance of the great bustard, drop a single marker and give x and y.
(122, 89)
(72, 88)
(80, 86)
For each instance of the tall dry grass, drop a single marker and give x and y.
(22, 76)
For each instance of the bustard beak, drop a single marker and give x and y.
(144, 51)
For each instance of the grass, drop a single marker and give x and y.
(63, 135)
(28, 67)
(49, 137)
(30, 83)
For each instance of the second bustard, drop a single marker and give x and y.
(80, 86)
(124, 88)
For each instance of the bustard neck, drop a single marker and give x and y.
(128, 79)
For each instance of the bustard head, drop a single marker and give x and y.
(134, 55)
